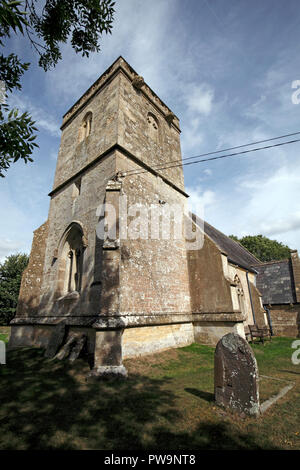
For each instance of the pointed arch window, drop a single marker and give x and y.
(71, 261)
(240, 293)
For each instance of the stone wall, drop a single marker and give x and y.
(148, 340)
(234, 273)
(209, 289)
(65, 209)
(122, 137)
(153, 272)
(296, 273)
(210, 332)
(285, 320)
(144, 131)
(74, 155)
(259, 311)
(32, 277)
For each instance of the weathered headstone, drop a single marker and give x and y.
(236, 375)
(66, 348)
(55, 340)
(77, 348)
(2, 352)
(73, 346)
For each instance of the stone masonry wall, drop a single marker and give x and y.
(64, 209)
(296, 273)
(154, 273)
(210, 290)
(154, 146)
(32, 277)
(119, 117)
(285, 320)
(74, 155)
(148, 340)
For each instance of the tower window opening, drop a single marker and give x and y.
(152, 126)
(86, 127)
(76, 188)
(71, 262)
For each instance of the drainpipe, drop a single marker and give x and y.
(269, 320)
(251, 301)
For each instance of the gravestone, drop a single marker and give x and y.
(2, 353)
(236, 375)
(77, 348)
(56, 340)
(72, 347)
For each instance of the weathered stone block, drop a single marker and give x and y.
(108, 372)
(56, 339)
(236, 376)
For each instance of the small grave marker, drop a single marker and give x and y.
(236, 375)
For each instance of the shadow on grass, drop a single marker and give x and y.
(207, 396)
(48, 405)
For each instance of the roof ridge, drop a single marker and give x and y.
(286, 260)
(235, 252)
(235, 241)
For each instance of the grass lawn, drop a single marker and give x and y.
(4, 333)
(167, 403)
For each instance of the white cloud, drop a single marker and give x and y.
(8, 247)
(192, 137)
(199, 98)
(282, 225)
(274, 202)
(43, 118)
(200, 200)
(267, 205)
(140, 33)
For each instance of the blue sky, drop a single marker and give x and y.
(224, 68)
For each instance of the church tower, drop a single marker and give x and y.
(127, 291)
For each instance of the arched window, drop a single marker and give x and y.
(76, 188)
(240, 293)
(152, 126)
(71, 261)
(86, 126)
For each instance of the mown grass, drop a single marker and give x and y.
(167, 403)
(4, 333)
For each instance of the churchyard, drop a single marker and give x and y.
(167, 403)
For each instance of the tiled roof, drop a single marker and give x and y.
(275, 282)
(236, 253)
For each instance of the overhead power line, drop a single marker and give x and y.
(160, 167)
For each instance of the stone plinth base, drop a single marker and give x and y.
(38, 336)
(31, 336)
(210, 332)
(108, 372)
(153, 339)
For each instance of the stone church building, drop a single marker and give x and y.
(128, 295)
(279, 284)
